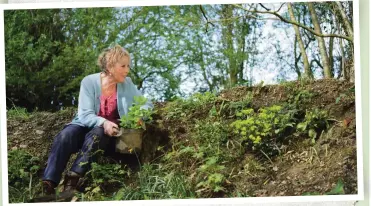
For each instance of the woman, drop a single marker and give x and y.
(104, 98)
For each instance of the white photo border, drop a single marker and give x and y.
(202, 201)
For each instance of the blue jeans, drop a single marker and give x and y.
(74, 138)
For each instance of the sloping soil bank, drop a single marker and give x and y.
(225, 166)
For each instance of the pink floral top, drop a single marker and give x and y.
(108, 108)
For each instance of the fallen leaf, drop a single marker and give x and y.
(74, 199)
(346, 122)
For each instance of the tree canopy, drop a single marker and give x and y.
(175, 50)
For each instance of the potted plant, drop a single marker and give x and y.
(133, 126)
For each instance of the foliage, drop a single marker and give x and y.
(180, 108)
(245, 102)
(262, 130)
(18, 112)
(210, 174)
(155, 182)
(171, 47)
(349, 94)
(102, 176)
(300, 97)
(22, 169)
(136, 113)
(314, 121)
(337, 190)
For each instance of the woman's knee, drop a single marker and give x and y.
(69, 135)
(97, 131)
(97, 135)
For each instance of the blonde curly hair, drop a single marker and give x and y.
(108, 57)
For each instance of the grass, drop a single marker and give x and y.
(199, 164)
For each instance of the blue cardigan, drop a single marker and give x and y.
(89, 103)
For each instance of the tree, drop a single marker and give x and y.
(321, 42)
(298, 39)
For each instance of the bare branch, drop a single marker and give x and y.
(207, 20)
(264, 7)
(297, 24)
(280, 7)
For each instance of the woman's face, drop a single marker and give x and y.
(121, 69)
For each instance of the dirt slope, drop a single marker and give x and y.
(301, 167)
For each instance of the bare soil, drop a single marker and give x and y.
(301, 167)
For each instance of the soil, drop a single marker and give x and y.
(301, 167)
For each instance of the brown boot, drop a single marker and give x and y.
(70, 182)
(49, 187)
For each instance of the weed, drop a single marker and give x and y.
(18, 112)
(262, 130)
(314, 122)
(103, 176)
(211, 178)
(22, 169)
(180, 108)
(337, 190)
(239, 105)
(300, 97)
(136, 113)
(154, 183)
(348, 94)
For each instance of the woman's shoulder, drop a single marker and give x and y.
(91, 78)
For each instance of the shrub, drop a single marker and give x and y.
(136, 113)
(262, 130)
(22, 168)
(314, 122)
(102, 177)
(182, 107)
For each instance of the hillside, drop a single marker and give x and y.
(296, 138)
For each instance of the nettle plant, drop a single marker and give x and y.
(22, 173)
(211, 176)
(262, 128)
(136, 113)
(181, 107)
(103, 176)
(314, 122)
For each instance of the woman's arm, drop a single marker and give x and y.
(86, 111)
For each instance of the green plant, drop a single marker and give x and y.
(154, 182)
(18, 112)
(348, 94)
(262, 129)
(136, 113)
(103, 176)
(314, 121)
(300, 97)
(337, 190)
(239, 105)
(182, 107)
(211, 178)
(22, 169)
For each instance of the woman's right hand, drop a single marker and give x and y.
(110, 128)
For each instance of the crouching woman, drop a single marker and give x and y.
(104, 98)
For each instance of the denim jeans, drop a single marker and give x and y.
(74, 138)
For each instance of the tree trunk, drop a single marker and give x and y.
(346, 22)
(297, 69)
(331, 56)
(307, 70)
(202, 65)
(344, 74)
(321, 42)
(227, 13)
